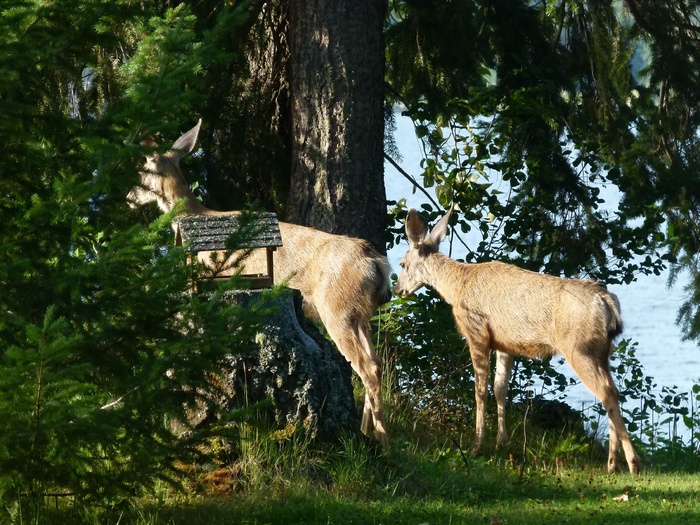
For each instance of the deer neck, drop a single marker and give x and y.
(446, 276)
(193, 206)
(174, 190)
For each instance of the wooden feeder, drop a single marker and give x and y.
(207, 235)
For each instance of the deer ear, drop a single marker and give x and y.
(439, 231)
(416, 227)
(185, 144)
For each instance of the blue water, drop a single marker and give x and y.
(649, 308)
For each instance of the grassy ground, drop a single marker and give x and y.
(545, 476)
(488, 495)
(431, 485)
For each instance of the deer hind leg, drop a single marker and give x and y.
(594, 371)
(356, 346)
(372, 419)
(367, 425)
(504, 365)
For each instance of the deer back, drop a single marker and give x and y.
(536, 315)
(341, 278)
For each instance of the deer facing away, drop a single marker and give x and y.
(513, 311)
(342, 280)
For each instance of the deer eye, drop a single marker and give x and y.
(402, 264)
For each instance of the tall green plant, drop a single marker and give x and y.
(102, 344)
(428, 359)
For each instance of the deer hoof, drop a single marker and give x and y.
(635, 466)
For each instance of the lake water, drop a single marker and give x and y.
(649, 309)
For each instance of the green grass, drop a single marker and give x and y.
(544, 477)
(486, 496)
(354, 484)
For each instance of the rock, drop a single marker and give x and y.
(553, 415)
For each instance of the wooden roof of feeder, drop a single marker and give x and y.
(210, 233)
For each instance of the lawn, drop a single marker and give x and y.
(439, 486)
(488, 495)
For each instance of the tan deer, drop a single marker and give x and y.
(501, 307)
(342, 280)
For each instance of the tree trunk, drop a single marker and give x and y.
(336, 69)
(298, 123)
(246, 118)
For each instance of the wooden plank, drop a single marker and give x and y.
(253, 282)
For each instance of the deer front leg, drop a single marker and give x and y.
(480, 361)
(473, 329)
(504, 365)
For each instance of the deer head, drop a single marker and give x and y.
(421, 244)
(161, 178)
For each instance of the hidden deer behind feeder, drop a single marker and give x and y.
(342, 280)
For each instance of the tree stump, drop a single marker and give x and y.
(304, 378)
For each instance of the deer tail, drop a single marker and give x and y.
(382, 271)
(613, 318)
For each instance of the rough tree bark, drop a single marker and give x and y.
(297, 124)
(336, 91)
(246, 117)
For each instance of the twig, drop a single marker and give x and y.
(410, 179)
(116, 402)
(522, 465)
(465, 459)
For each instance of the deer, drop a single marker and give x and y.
(516, 312)
(343, 280)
